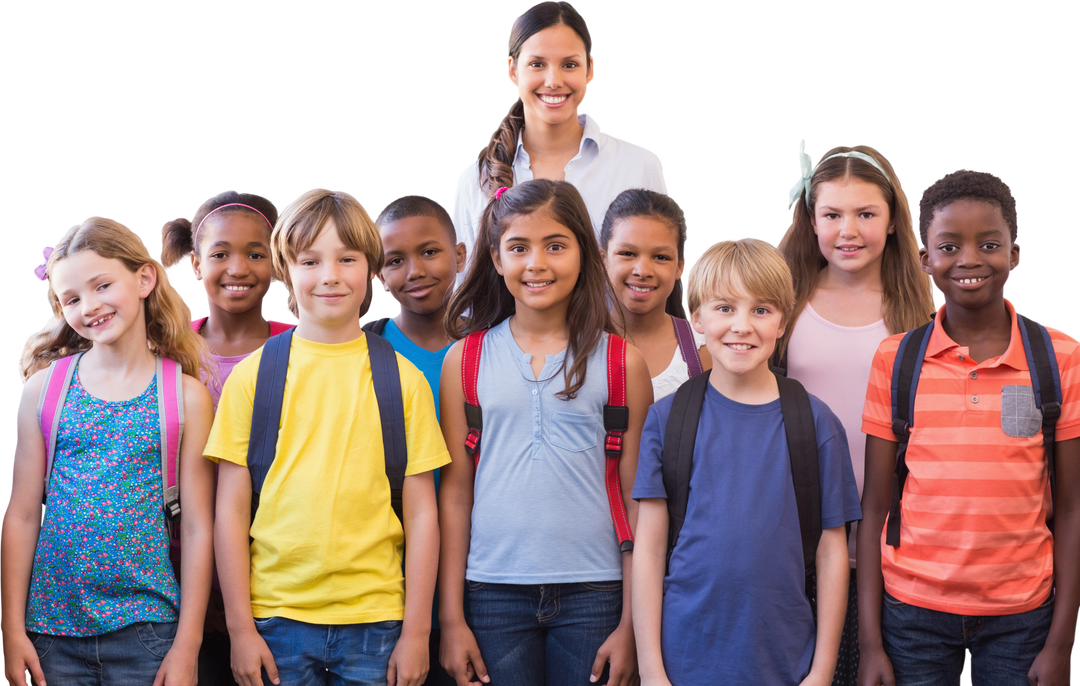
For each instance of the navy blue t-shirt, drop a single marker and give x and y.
(735, 609)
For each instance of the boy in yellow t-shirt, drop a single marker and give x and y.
(319, 591)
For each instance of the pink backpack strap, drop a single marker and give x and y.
(51, 406)
(170, 397)
(197, 324)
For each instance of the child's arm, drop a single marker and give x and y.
(22, 524)
(874, 665)
(409, 660)
(458, 652)
(181, 664)
(650, 551)
(619, 648)
(832, 587)
(1051, 665)
(249, 654)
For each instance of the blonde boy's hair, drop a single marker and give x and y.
(746, 268)
(301, 223)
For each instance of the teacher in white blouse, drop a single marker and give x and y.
(543, 136)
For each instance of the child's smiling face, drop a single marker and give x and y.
(422, 263)
(969, 253)
(234, 260)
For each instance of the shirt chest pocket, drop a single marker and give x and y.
(573, 432)
(1019, 416)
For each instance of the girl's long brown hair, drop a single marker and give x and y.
(496, 160)
(483, 300)
(908, 301)
(168, 329)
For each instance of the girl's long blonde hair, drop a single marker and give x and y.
(908, 301)
(168, 328)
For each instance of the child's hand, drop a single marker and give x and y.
(619, 649)
(20, 658)
(249, 656)
(1051, 666)
(460, 656)
(875, 668)
(180, 666)
(409, 661)
(813, 679)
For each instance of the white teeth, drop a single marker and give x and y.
(641, 289)
(973, 280)
(100, 321)
(850, 249)
(553, 99)
(537, 284)
(739, 346)
(238, 288)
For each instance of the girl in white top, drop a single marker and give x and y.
(543, 136)
(642, 240)
(855, 263)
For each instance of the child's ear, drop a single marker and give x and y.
(147, 275)
(678, 272)
(382, 281)
(497, 260)
(460, 254)
(924, 261)
(1014, 256)
(196, 264)
(513, 70)
(695, 320)
(589, 73)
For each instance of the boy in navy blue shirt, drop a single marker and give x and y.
(732, 608)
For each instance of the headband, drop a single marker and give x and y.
(803, 184)
(195, 235)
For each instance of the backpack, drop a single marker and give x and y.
(376, 327)
(616, 422)
(170, 400)
(907, 366)
(270, 394)
(681, 435)
(684, 335)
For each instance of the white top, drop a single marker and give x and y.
(604, 167)
(833, 362)
(668, 381)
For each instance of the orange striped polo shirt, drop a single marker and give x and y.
(973, 536)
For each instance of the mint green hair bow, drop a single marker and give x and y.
(803, 185)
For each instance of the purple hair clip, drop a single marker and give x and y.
(498, 193)
(39, 270)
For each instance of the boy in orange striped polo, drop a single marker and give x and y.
(976, 566)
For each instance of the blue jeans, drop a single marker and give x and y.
(545, 634)
(927, 647)
(330, 654)
(127, 657)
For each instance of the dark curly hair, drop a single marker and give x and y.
(967, 185)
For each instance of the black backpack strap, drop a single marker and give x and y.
(386, 379)
(376, 327)
(678, 454)
(1046, 384)
(805, 474)
(266, 410)
(907, 366)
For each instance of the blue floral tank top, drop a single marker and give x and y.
(102, 560)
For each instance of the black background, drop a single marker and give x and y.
(397, 99)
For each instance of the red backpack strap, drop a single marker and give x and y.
(616, 422)
(470, 377)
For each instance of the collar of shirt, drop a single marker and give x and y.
(1014, 355)
(592, 142)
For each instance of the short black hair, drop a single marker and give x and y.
(967, 185)
(417, 206)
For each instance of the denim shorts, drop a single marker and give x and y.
(927, 647)
(536, 635)
(318, 654)
(127, 657)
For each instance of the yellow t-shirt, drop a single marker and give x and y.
(326, 545)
